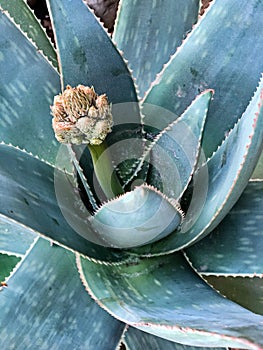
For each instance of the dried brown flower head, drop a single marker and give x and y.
(81, 116)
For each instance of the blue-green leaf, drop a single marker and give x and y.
(14, 239)
(141, 216)
(235, 246)
(30, 196)
(230, 258)
(230, 167)
(223, 53)
(175, 151)
(149, 45)
(24, 100)
(218, 184)
(46, 306)
(86, 53)
(23, 16)
(164, 296)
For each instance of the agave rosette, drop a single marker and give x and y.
(184, 154)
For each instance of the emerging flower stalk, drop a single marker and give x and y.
(80, 116)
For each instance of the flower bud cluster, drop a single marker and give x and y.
(81, 116)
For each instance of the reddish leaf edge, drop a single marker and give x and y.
(147, 325)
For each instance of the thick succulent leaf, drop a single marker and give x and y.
(46, 305)
(136, 218)
(231, 258)
(218, 184)
(235, 247)
(147, 45)
(164, 296)
(175, 151)
(223, 52)
(7, 264)
(23, 16)
(24, 100)
(86, 54)
(14, 239)
(230, 168)
(138, 340)
(30, 196)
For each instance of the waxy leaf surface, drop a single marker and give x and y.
(46, 293)
(23, 16)
(25, 102)
(149, 45)
(28, 196)
(164, 296)
(222, 53)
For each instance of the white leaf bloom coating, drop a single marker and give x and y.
(81, 116)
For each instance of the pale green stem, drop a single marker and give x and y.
(105, 171)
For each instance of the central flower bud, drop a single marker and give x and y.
(81, 116)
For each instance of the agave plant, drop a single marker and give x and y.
(150, 203)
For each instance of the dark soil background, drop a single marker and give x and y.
(104, 9)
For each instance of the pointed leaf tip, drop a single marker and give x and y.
(175, 150)
(219, 182)
(202, 61)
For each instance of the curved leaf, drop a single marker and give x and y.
(164, 296)
(175, 151)
(138, 217)
(230, 167)
(23, 16)
(219, 183)
(86, 54)
(46, 293)
(223, 53)
(235, 246)
(148, 46)
(28, 196)
(230, 258)
(24, 100)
